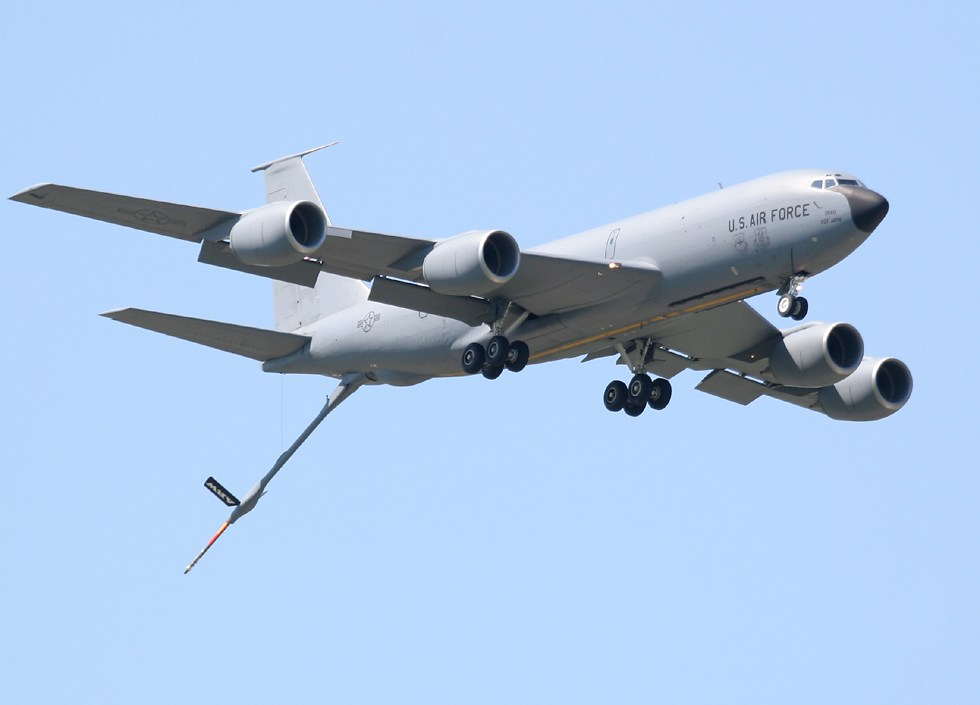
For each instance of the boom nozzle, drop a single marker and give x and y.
(205, 549)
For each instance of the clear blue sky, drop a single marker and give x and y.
(466, 541)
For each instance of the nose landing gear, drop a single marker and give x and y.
(791, 304)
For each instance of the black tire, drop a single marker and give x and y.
(639, 390)
(492, 371)
(473, 358)
(634, 410)
(800, 308)
(615, 396)
(660, 396)
(517, 356)
(497, 351)
(785, 305)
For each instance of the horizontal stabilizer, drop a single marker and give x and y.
(221, 493)
(172, 219)
(257, 343)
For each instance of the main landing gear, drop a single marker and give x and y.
(642, 391)
(791, 304)
(499, 354)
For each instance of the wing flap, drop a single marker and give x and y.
(255, 343)
(219, 254)
(363, 255)
(171, 219)
(733, 387)
(467, 309)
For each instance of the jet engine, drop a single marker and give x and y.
(474, 263)
(816, 356)
(878, 388)
(279, 233)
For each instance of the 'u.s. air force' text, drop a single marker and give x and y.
(753, 220)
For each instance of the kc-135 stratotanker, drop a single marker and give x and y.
(659, 293)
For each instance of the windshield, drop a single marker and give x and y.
(835, 180)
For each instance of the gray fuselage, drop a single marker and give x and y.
(724, 246)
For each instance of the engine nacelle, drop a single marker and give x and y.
(816, 356)
(279, 233)
(472, 264)
(879, 388)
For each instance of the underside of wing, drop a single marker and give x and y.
(549, 284)
(730, 335)
(172, 219)
(543, 284)
(818, 366)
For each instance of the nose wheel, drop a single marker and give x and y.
(791, 304)
(794, 307)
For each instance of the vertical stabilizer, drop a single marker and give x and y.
(286, 179)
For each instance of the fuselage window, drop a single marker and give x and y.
(817, 184)
(847, 182)
(830, 183)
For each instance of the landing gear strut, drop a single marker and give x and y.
(791, 304)
(642, 391)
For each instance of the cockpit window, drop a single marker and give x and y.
(839, 181)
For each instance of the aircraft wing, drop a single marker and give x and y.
(171, 219)
(543, 284)
(730, 342)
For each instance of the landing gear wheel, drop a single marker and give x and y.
(786, 304)
(800, 308)
(497, 350)
(640, 387)
(517, 356)
(634, 410)
(492, 371)
(615, 396)
(660, 396)
(473, 358)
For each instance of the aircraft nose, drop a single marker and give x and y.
(868, 208)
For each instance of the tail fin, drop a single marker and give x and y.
(286, 179)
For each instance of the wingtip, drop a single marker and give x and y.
(114, 313)
(28, 195)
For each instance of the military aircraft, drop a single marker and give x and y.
(659, 292)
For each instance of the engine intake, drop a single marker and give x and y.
(279, 233)
(878, 388)
(474, 263)
(816, 356)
